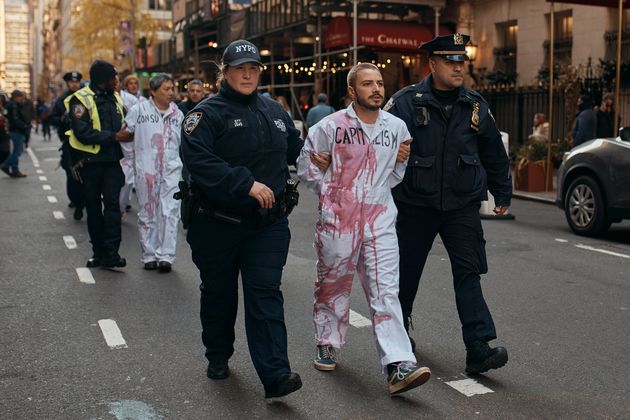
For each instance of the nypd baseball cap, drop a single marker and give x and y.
(239, 52)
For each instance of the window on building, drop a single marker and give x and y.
(159, 4)
(563, 38)
(505, 52)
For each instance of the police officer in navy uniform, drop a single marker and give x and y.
(236, 146)
(456, 155)
(60, 119)
(99, 153)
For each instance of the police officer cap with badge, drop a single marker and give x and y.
(236, 147)
(456, 156)
(73, 76)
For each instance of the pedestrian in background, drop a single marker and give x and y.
(456, 156)
(356, 231)
(5, 141)
(60, 119)
(540, 130)
(585, 124)
(319, 111)
(130, 94)
(196, 94)
(45, 120)
(236, 146)
(606, 117)
(96, 117)
(27, 109)
(155, 127)
(19, 128)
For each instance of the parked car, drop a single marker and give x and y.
(594, 184)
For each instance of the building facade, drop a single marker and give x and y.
(16, 46)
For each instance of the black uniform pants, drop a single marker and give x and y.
(220, 251)
(462, 235)
(102, 182)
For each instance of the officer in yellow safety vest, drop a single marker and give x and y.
(96, 121)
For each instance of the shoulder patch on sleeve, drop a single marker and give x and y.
(191, 121)
(389, 104)
(78, 110)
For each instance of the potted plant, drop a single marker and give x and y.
(529, 171)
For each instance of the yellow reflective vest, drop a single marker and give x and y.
(86, 97)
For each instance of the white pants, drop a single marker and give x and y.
(158, 215)
(371, 249)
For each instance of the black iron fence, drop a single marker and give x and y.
(514, 111)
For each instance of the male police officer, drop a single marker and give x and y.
(59, 119)
(96, 116)
(456, 155)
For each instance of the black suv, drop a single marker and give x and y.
(594, 184)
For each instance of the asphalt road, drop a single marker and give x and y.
(561, 304)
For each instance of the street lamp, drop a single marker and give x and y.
(471, 52)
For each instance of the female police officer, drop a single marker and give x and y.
(236, 146)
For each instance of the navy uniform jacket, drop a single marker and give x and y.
(231, 140)
(453, 161)
(58, 117)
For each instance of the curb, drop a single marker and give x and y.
(532, 197)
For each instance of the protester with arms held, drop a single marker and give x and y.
(155, 126)
(236, 146)
(60, 119)
(456, 156)
(356, 231)
(96, 116)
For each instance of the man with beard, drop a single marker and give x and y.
(350, 161)
(96, 117)
(456, 155)
(60, 119)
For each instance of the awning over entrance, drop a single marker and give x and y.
(382, 35)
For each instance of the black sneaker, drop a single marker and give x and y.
(325, 358)
(218, 370)
(93, 262)
(284, 385)
(164, 267)
(151, 265)
(480, 357)
(113, 261)
(405, 376)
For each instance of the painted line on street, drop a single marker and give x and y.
(359, 321)
(39, 171)
(33, 157)
(69, 241)
(51, 159)
(46, 187)
(58, 215)
(112, 334)
(52, 199)
(47, 149)
(562, 241)
(469, 387)
(43, 178)
(85, 275)
(603, 251)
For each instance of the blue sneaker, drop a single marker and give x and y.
(325, 358)
(405, 376)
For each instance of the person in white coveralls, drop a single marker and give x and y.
(156, 128)
(350, 160)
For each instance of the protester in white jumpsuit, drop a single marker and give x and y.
(156, 125)
(356, 229)
(130, 96)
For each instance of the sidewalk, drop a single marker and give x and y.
(541, 197)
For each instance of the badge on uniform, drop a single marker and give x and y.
(422, 116)
(389, 104)
(280, 125)
(78, 110)
(191, 121)
(474, 118)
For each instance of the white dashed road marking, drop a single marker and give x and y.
(70, 242)
(85, 275)
(563, 241)
(33, 157)
(43, 178)
(112, 334)
(39, 171)
(469, 387)
(603, 251)
(52, 199)
(46, 187)
(359, 321)
(58, 215)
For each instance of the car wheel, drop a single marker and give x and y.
(584, 207)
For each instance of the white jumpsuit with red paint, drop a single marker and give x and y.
(356, 229)
(129, 100)
(158, 169)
